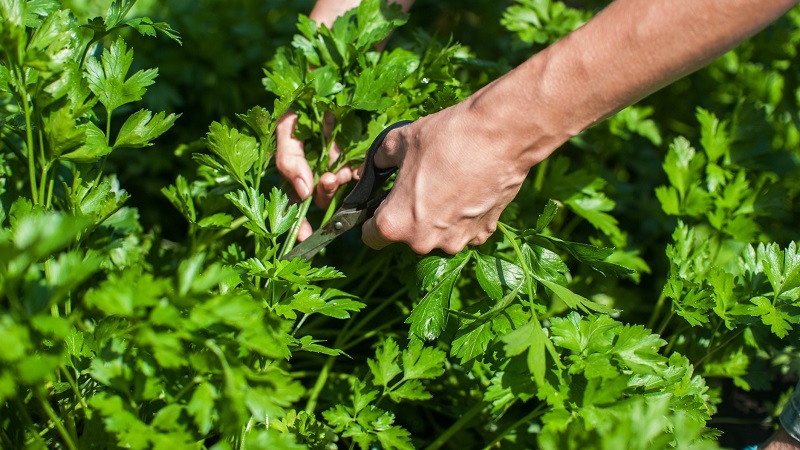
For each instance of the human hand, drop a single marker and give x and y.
(290, 160)
(454, 181)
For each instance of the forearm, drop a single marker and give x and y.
(626, 52)
(326, 11)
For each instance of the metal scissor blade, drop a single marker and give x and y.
(356, 207)
(341, 221)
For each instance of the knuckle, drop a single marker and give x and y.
(421, 248)
(452, 248)
(284, 164)
(392, 140)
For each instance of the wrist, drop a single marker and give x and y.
(532, 110)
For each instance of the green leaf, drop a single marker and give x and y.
(310, 344)
(259, 120)
(286, 76)
(497, 276)
(385, 366)
(254, 206)
(94, 147)
(472, 340)
(62, 131)
(432, 268)
(572, 299)
(218, 220)
(376, 20)
(281, 215)
(298, 271)
(180, 196)
(594, 206)
(714, 136)
(546, 216)
(638, 348)
(107, 77)
(678, 165)
(531, 338)
(146, 27)
(429, 317)
(237, 151)
(411, 390)
(420, 362)
(130, 431)
(589, 255)
(116, 13)
(583, 334)
(668, 197)
(782, 267)
(776, 319)
(376, 85)
(142, 127)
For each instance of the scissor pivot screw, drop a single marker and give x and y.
(338, 225)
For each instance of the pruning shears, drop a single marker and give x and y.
(357, 207)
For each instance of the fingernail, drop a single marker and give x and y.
(302, 188)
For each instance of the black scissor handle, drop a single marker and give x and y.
(372, 178)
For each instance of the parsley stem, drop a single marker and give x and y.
(56, 421)
(313, 397)
(462, 422)
(651, 323)
(23, 408)
(541, 170)
(332, 207)
(5, 440)
(74, 385)
(347, 333)
(529, 286)
(291, 239)
(31, 153)
(715, 349)
(538, 411)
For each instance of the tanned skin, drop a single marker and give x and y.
(489, 141)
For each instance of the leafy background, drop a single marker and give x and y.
(641, 292)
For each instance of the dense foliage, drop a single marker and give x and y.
(645, 274)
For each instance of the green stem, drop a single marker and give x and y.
(529, 279)
(347, 333)
(664, 323)
(43, 161)
(5, 440)
(57, 422)
(456, 427)
(373, 332)
(657, 310)
(232, 227)
(23, 409)
(74, 385)
(541, 170)
(292, 237)
(50, 187)
(311, 405)
(14, 149)
(332, 207)
(300, 323)
(31, 152)
(717, 348)
(538, 411)
(108, 128)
